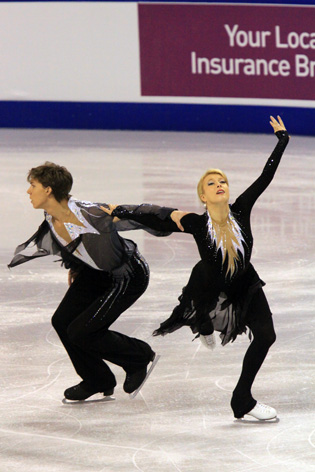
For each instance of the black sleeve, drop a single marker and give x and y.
(155, 217)
(250, 195)
(152, 216)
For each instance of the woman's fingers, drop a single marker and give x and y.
(277, 125)
(108, 210)
(280, 121)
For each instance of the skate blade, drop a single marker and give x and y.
(91, 399)
(135, 393)
(251, 420)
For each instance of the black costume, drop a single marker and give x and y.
(217, 297)
(114, 277)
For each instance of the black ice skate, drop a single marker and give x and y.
(135, 381)
(82, 392)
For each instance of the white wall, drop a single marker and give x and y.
(56, 55)
(73, 51)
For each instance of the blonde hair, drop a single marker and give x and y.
(208, 172)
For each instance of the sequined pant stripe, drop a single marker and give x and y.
(120, 288)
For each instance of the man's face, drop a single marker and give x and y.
(38, 194)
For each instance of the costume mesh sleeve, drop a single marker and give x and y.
(151, 216)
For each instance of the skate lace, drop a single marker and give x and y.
(263, 407)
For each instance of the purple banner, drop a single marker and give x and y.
(240, 51)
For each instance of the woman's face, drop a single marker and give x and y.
(38, 194)
(215, 190)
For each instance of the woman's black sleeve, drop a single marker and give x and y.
(259, 186)
(154, 216)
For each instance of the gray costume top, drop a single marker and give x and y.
(103, 246)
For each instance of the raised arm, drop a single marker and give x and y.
(257, 188)
(274, 159)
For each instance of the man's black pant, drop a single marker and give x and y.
(92, 303)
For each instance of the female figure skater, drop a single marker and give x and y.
(107, 275)
(224, 292)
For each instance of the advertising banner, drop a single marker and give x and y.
(236, 51)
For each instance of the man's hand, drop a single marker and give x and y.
(71, 276)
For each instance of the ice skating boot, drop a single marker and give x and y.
(135, 380)
(263, 412)
(82, 391)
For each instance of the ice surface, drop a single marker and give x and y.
(181, 421)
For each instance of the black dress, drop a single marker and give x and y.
(216, 296)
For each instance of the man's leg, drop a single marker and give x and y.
(90, 330)
(86, 288)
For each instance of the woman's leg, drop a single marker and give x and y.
(259, 320)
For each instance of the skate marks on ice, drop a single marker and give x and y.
(181, 420)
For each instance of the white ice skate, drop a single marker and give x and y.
(208, 341)
(263, 412)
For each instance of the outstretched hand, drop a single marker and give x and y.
(110, 208)
(176, 216)
(277, 125)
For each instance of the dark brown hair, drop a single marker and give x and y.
(52, 175)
